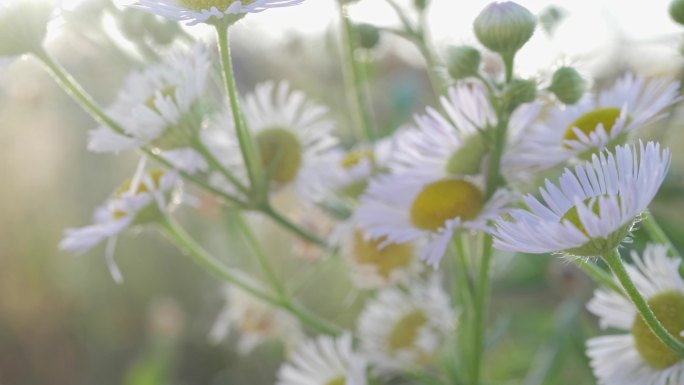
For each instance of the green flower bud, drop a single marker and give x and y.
(504, 27)
(367, 36)
(677, 11)
(568, 85)
(420, 4)
(550, 18)
(464, 62)
(518, 92)
(23, 25)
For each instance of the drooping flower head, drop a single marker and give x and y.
(324, 361)
(139, 201)
(593, 208)
(638, 357)
(209, 11)
(405, 329)
(160, 107)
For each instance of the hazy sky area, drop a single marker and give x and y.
(590, 26)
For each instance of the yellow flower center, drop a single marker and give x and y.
(221, 5)
(257, 321)
(281, 153)
(588, 122)
(405, 332)
(573, 216)
(167, 92)
(341, 380)
(467, 160)
(443, 200)
(392, 257)
(155, 175)
(669, 309)
(353, 158)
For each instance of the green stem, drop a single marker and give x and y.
(480, 309)
(463, 289)
(494, 178)
(508, 60)
(262, 258)
(248, 147)
(71, 87)
(356, 97)
(614, 260)
(598, 274)
(293, 227)
(657, 233)
(74, 89)
(185, 242)
(217, 165)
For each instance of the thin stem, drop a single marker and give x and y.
(480, 309)
(186, 243)
(262, 258)
(216, 164)
(293, 227)
(248, 148)
(508, 60)
(463, 289)
(494, 178)
(356, 97)
(598, 274)
(614, 260)
(74, 89)
(657, 233)
(71, 87)
(418, 36)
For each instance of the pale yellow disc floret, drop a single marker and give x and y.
(669, 309)
(588, 122)
(221, 5)
(281, 153)
(444, 200)
(405, 332)
(395, 256)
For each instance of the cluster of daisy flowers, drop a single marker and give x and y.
(397, 207)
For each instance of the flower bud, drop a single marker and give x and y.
(23, 25)
(464, 62)
(568, 85)
(518, 92)
(504, 27)
(368, 36)
(420, 4)
(677, 11)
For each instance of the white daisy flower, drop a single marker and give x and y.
(638, 357)
(324, 361)
(293, 136)
(600, 120)
(160, 107)
(209, 11)
(593, 209)
(137, 202)
(257, 321)
(404, 329)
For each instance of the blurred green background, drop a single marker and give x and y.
(64, 321)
